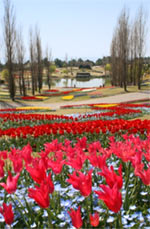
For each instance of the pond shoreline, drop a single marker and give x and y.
(78, 82)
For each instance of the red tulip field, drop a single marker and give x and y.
(76, 171)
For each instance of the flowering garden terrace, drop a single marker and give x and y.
(77, 171)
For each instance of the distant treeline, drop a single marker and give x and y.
(66, 63)
(80, 62)
(75, 63)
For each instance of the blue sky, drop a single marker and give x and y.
(78, 28)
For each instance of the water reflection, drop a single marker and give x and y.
(67, 82)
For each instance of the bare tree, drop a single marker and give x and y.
(123, 33)
(133, 53)
(9, 41)
(47, 65)
(113, 52)
(116, 63)
(141, 35)
(20, 59)
(120, 50)
(39, 60)
(33, 62)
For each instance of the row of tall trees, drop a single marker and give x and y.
(15, 55)
(128, 49)
(9, 42)
(36, 64)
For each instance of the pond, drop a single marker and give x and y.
(68, 82)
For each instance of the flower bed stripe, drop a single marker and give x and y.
(112, 126)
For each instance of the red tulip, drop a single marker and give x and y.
(3, 155)
(76, 218)
(111, 177)
(38, 171)
(26, 154)
(143, 174)
(56, 166)
(2, 168)
(52, 146)
(81, 182)
(49, 182)
(11, 183)
(97, 161)
(40, 195)
(82, 143)
(147, 156)
(94, 219)
(111, 197)
(74, 180)
(17, 160)
(18, 165)
(7, 212)
(136, 160)
(77, 162)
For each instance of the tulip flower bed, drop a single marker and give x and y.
(75, 171)
(83, 185)
(107, 105)
(113, 111)
(25, 110)
(33, 98)
(59, 93)
(39, 134)
(9, 120)
(73, 91)
(19, 129)
(51, 90)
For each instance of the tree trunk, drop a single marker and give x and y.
(139, 73)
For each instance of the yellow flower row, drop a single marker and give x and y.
(41, 97)
(106, 105)
(33, 108)
(68, 97)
